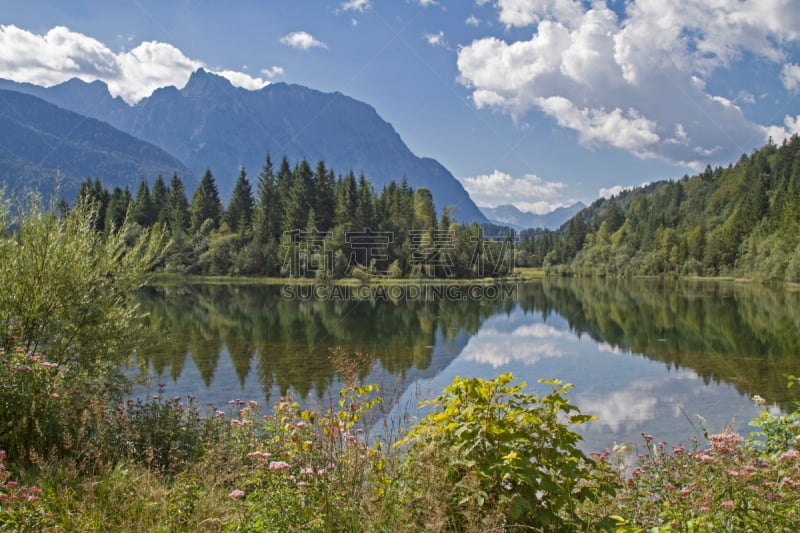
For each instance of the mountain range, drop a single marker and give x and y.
(509, 215)
(41, 143)
(209, 123)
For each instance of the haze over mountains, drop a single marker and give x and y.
(212, 124)
(509, 215)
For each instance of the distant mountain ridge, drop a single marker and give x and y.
(212, 124)
(510, 215)
(40, 143)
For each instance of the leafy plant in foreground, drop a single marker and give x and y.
(498, 450)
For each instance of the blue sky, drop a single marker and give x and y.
(532, 102)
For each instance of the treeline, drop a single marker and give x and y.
(743, 220)
(301, 222)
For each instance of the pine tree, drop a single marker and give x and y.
(159, 196)
(267, 212)
(365, 205)
(143, 211)
(206, 204)
(175, 213)
(325, 204)
(346, 201)
(240, 208)
(117, 210)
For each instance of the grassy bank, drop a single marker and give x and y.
(487, 458)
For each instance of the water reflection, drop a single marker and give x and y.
(644, 355)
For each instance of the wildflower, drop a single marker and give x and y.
(788, 455)
(301, 483)
(236, 494)
(278, 465)
(54, 395)
(22, 368)
(307, 471)
(262, 455)
(758, 400)
(727, 505)
(704, 458)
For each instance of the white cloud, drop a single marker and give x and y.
(532, 192)
(62, 54)
(608, 192)
(790, 76)
(436, 39)
(240, 79)
(627, 130)
(302, 41)
(636, 82)
(472, 20)
(426, 3)
(357, 5)
(272, 72)
(528, 12)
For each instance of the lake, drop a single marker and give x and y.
(645, 356)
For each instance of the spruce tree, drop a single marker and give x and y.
(240, 208)
(143, 210)
(175, 213)
(206, 204)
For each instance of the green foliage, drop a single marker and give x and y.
(742, 220)
(64, 287)
(21, 508)
(499, 449)
(732, 485)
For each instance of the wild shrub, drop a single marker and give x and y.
(504, 455)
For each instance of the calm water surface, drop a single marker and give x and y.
(644, 356)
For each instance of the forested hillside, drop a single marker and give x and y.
(301, 222)
(743, 220)
(41, 143)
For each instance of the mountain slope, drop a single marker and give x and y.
(39, 140)
(212, 124)
(512, 216)
(743, 220)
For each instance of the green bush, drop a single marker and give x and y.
(495, 456)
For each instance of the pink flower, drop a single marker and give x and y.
(301, 483)
(278, 465)
(307, 471)
(727, 505)
(262, 455)
(236, 493)
(54, 395)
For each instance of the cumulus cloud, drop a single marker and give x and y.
(530, 191)
(62, 54)
(636, 82)
(357, 5)
(608, 192)
(302, 41)
(472, 20)
(436, 39)
(790, 76)
(272, 72)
